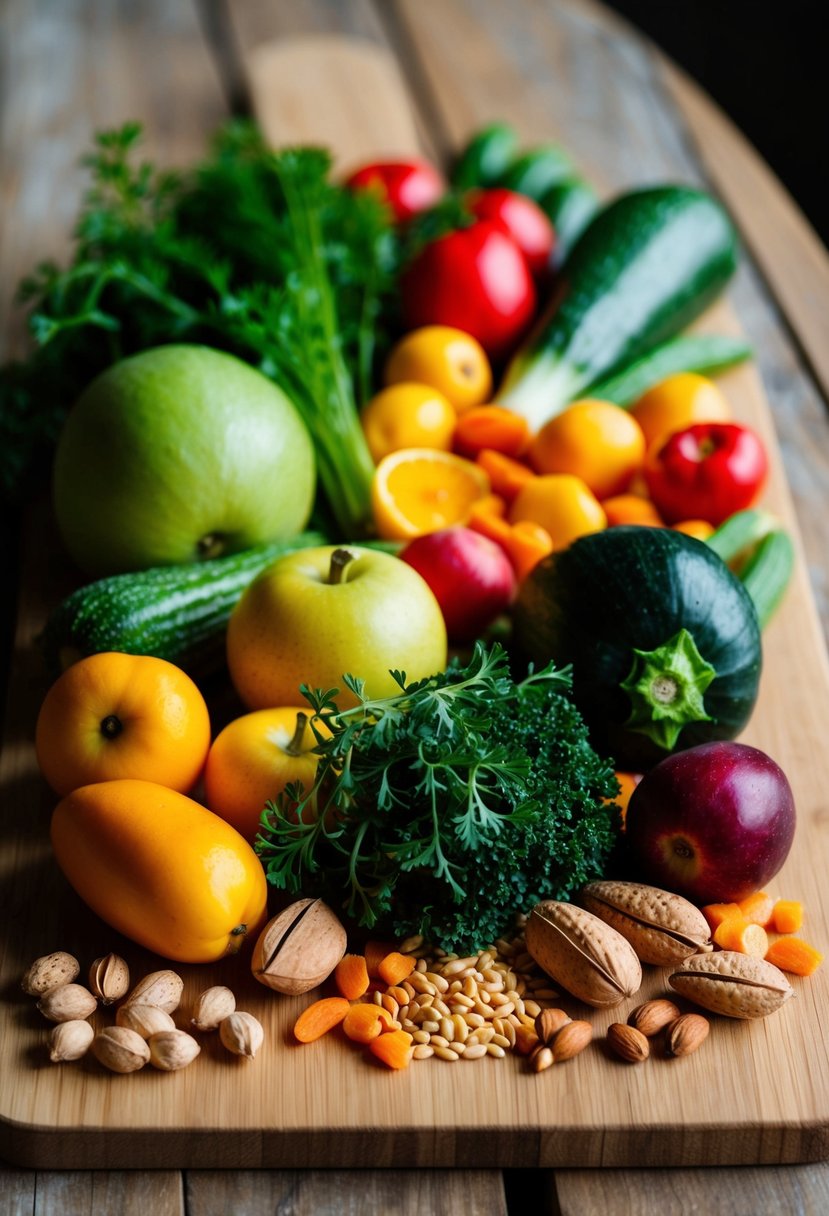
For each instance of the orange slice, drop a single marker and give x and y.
(419, 490)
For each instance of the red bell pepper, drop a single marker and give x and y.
(706, 471)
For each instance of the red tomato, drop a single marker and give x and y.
(706, 471)
(476, 280)
(520, 218)
(408, 186)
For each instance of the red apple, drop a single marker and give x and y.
(713, 823)
(470, 576)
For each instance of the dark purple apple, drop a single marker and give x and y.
(471, 578)
(713, 823)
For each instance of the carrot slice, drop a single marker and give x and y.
(715, 914)
(351, 976)
(320, 1017)
(491, 426)
(395, 967)
(794, 955)
(506, 476)
(758, 908)
(374, 952)
(393, 1048)
(527, 543)
(788, 916)
(364, 1022)
(742, 935)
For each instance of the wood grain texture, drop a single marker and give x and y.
(346, 1193)
(604, 1116)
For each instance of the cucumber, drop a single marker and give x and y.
(760, 551)
(536, 171)
(485, 158)
(570, 206)
(647, 265)
(705, 354)
(177, 613)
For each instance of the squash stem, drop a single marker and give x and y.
(666, 687)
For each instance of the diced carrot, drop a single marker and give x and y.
(631, 509)
(526, 545)
(715, 914)
(393, 1048)
(490, 426)
(787, 916)
(794, 955)
(493, 527)
(395, 967)
(737, 933)
(374, 952)
(364, 1022)
(627, 784)
(351, 976)
(758, 908)
(320, 1017)
(506, 476)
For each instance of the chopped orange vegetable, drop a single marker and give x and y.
(365, 1022)
(395, 967)
(374, 952)
(393, 1048)
(631, 509)
(794, 955)
(737, 933)
(506, 476)
(351, 976)
(787, 916)
(526, 544)
(491, 426)
(715, 914)
(700, 529)
(758, 908)
(627, 784)
(320, 1017)
(490, 525)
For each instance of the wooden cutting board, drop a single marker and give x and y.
(754, 1093)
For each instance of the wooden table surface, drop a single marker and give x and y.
(557, 69)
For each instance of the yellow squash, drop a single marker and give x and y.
(160, 868)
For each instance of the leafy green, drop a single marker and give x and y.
(448, 807)
(252, 251)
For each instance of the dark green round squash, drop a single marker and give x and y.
(663, 640)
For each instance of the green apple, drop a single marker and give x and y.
(319, 614)
(177, 454)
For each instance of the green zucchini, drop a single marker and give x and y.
(486, 157)
(570, 206)
(176, 612)
(663, 639)
(705, 354)
(647, 265)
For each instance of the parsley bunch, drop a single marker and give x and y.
(448, 807)
(254, 252)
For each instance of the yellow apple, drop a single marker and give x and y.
(319, 614)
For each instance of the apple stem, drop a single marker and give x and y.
(295, 748)
(211, 545)
(111, 726)
(340, 558)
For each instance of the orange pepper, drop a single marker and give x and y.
(631, 509)
(526, 544)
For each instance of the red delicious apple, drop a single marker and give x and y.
(712, 823)
(470, 576)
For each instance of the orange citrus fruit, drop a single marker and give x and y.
(254, 758)
(677, 402)
(419, 490)
(445, 358)
(562, 504)
(113, 716)
(595, 440)
(408, 416)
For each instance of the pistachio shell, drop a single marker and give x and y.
(733, 984)
(582, 953)
(663, 928)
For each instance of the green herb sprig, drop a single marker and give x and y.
(448, 807)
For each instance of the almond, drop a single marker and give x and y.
(541, 1059)
(582, 953)
(736, 985)
(628, 1043)
(686, 1034)
(571, 1040)
(651, 1017)
(549, 1022)
(663, 928)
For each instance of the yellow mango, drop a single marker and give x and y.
(160, 868)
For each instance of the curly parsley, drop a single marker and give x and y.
(446, 808)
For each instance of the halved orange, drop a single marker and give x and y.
(419, 490)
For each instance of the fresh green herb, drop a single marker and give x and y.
(446, 808)
(254, 252)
